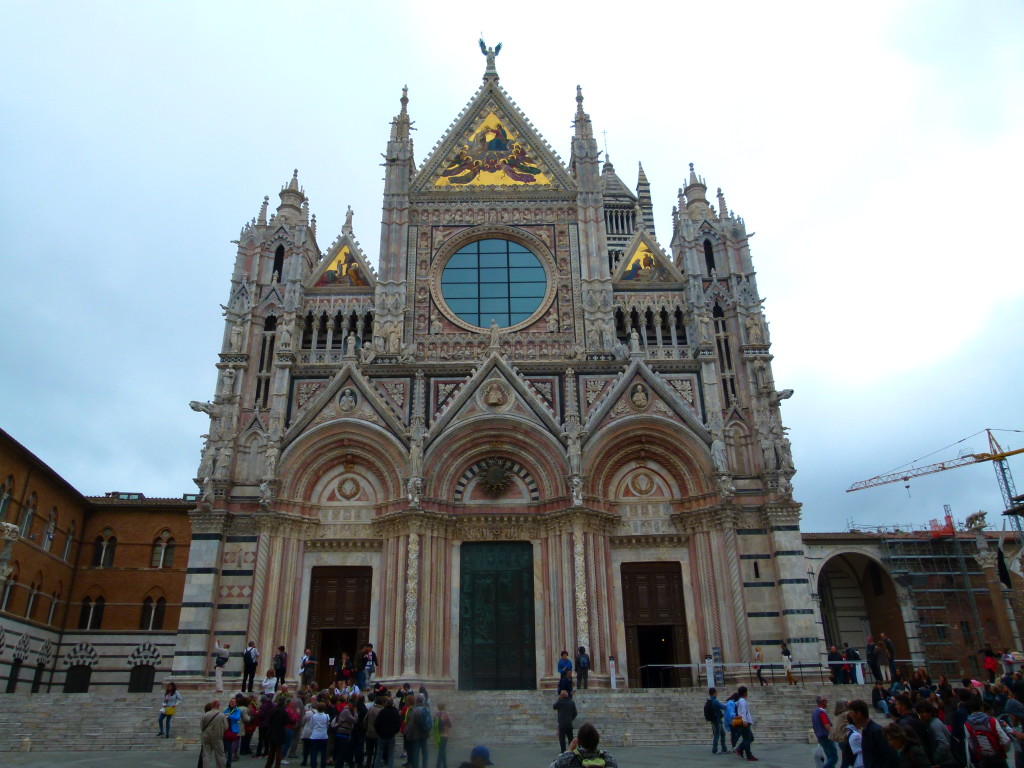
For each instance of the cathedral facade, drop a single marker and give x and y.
(532, 428)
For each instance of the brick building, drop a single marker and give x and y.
(90, 587)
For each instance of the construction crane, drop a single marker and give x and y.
(1011, 501)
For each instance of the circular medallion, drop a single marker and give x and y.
(349, 488)
(639, 397)
(641, 483)
(495, 476)
(347, 401)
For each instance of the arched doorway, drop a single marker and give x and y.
(858, 599)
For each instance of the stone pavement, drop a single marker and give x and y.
(532, 756)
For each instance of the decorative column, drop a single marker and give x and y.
(199, 597)
(412, 585)
(580, 573)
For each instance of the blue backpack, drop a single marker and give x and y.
(730, 712)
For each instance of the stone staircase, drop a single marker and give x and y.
(101, 720)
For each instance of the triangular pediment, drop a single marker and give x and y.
(494, 389)
(344, 266)
(348, 395)
(492, 145)
(640, 391)
(645, 262)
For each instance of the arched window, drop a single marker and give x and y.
(278, 264)
(163, 551)
(266, 362)
(32, 594)
(6, 491)
(709, 256)
(54, 600)
(27, 513)
(153, 614)
(91, 615)
(51, 530)
(69, 541)
(8, 589)
(104, 548)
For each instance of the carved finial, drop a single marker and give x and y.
(347, 228)
(722, 208)
(294, 183)
(405, 99)
(312, 225)
(263, 209)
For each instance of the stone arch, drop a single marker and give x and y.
(81, 655)
(859, 598)
(45, 653)
(251, 449)
(683, 457)
(518, 476)
(305, 462)
(537, 453)
(739, 443)
(145, 653)
(22, 647)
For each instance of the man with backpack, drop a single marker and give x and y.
(583, 752)
(250, 659)
(987, 743)
(419, 723)
(582, 667)
(713, 711)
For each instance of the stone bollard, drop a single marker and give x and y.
(627, 739)
(26, 745)
(179, 744)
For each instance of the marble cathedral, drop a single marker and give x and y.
(532, 428)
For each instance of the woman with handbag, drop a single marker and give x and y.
(167, 710)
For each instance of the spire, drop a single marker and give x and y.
(643, 194)
(723, 211)
(695, 190)
(401, 125)
(263, 210)
(292, 199)
(491, 54)
(584, 130)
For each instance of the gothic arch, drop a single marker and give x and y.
(683, 456)
(82, 654)
(145, 653)
(739, 446)
(540, 455)
(309, 458)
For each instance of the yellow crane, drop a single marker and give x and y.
(1012, 502)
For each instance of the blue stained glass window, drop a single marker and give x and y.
(493, 279)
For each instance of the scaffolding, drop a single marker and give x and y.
(939, 569)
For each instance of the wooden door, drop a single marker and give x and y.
(339, 614)
(654, 614)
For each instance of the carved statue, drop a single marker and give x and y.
(416, 447)
(236, 336)
(785, 487)
(725, 486)
(719, 456)
(394, 340)
(415, 488)
(206, 461)
(270, 462)
(490, 53)
(768, 454)
(755, 334)
(634, 341)
(350, 345)
(576, 487)
(224, 456)
(367, 354)
(207, 496)
(704, 332)
(286, 336)
(495, 335)
(408, 353)
(785, 453)
(228, 383)
(574, 435)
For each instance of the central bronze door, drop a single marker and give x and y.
(655, 617)
(496, 639)
(339, 617)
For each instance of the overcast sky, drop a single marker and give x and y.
(875, 149)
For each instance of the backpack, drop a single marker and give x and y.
(445, 722)
(426, 719)
(584, 663)
(730, 711)
(848, 757)
(983, 741)
(597, 761)
(710, 712)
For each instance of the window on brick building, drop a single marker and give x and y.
(105, 546)
(8, 589)
(69, 541)
(54, 599)
(51, 530)
(27, 513)
(709, 256)
(163, 551)
(6, 491)
(31, 604)
(91, 615)
(153, 613)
